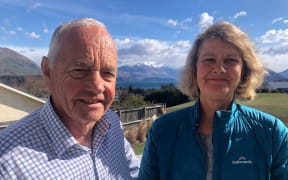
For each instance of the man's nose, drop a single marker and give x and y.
(96, 81)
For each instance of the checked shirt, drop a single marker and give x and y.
(40, 147)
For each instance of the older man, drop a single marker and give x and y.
(74, 135)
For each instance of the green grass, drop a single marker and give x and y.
(272, 103)
(138, 148)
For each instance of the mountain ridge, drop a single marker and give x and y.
(15, 64)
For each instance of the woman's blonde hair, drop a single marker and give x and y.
(253, 70)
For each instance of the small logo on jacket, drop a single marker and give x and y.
(242, 160)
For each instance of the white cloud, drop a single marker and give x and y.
(6, 21)
(156, 52)
(135, 51)
(277, 50)
(19, 29)
(277, 20)
(185, 23)
(205, 20)
(45, 29)
(241, 13)
(277, 63)
(172, 22)
(32, 35)
(273, 49)
(12, 32)
(34, 6)
(275, 36)
(152, 63)
(131, 52)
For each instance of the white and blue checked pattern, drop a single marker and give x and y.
(40, 147)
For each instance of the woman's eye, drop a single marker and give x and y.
(231, 61)
(208, 60)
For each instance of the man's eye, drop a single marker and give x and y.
(79, 73)
(108, 74)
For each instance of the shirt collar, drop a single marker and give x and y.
(60, 136)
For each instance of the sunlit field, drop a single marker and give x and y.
(272, 103)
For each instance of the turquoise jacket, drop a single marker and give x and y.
(248, 145)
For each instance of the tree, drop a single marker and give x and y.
(167, 94)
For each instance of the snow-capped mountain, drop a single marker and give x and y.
(274, 76)
(144, 72)
(146, 76)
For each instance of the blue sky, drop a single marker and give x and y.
(158, 32)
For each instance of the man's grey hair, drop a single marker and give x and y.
(53, 49)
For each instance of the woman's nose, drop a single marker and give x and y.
(219, 68)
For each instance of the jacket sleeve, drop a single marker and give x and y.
(279, 169)
(149, 168)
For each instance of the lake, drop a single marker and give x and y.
(141, 85)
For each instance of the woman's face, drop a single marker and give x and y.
(219, 68)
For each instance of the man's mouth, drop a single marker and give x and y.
(91, 101)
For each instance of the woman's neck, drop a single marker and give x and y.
(208, 109)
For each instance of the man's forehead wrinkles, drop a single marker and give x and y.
(99, 40)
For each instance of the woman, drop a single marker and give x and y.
(217, 138)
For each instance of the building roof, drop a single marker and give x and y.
(21, 93)
(15, 104)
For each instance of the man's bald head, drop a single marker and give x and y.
(68, 31)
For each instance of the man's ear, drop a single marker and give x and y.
(46, 71)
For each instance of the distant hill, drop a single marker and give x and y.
(149, 76)
(284, 73)
(146, 76)
(143, 71)
(273, 76)
(15, 64)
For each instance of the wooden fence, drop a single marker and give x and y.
(131, 117)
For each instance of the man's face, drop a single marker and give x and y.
(83, 79)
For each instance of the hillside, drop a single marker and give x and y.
(15, 64)
(284, 73)
(146, 76)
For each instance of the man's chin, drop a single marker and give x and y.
(92, 113)
(95, 116)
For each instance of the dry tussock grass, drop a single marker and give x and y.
(138, 134)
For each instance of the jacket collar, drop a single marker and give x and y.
(223, 116)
